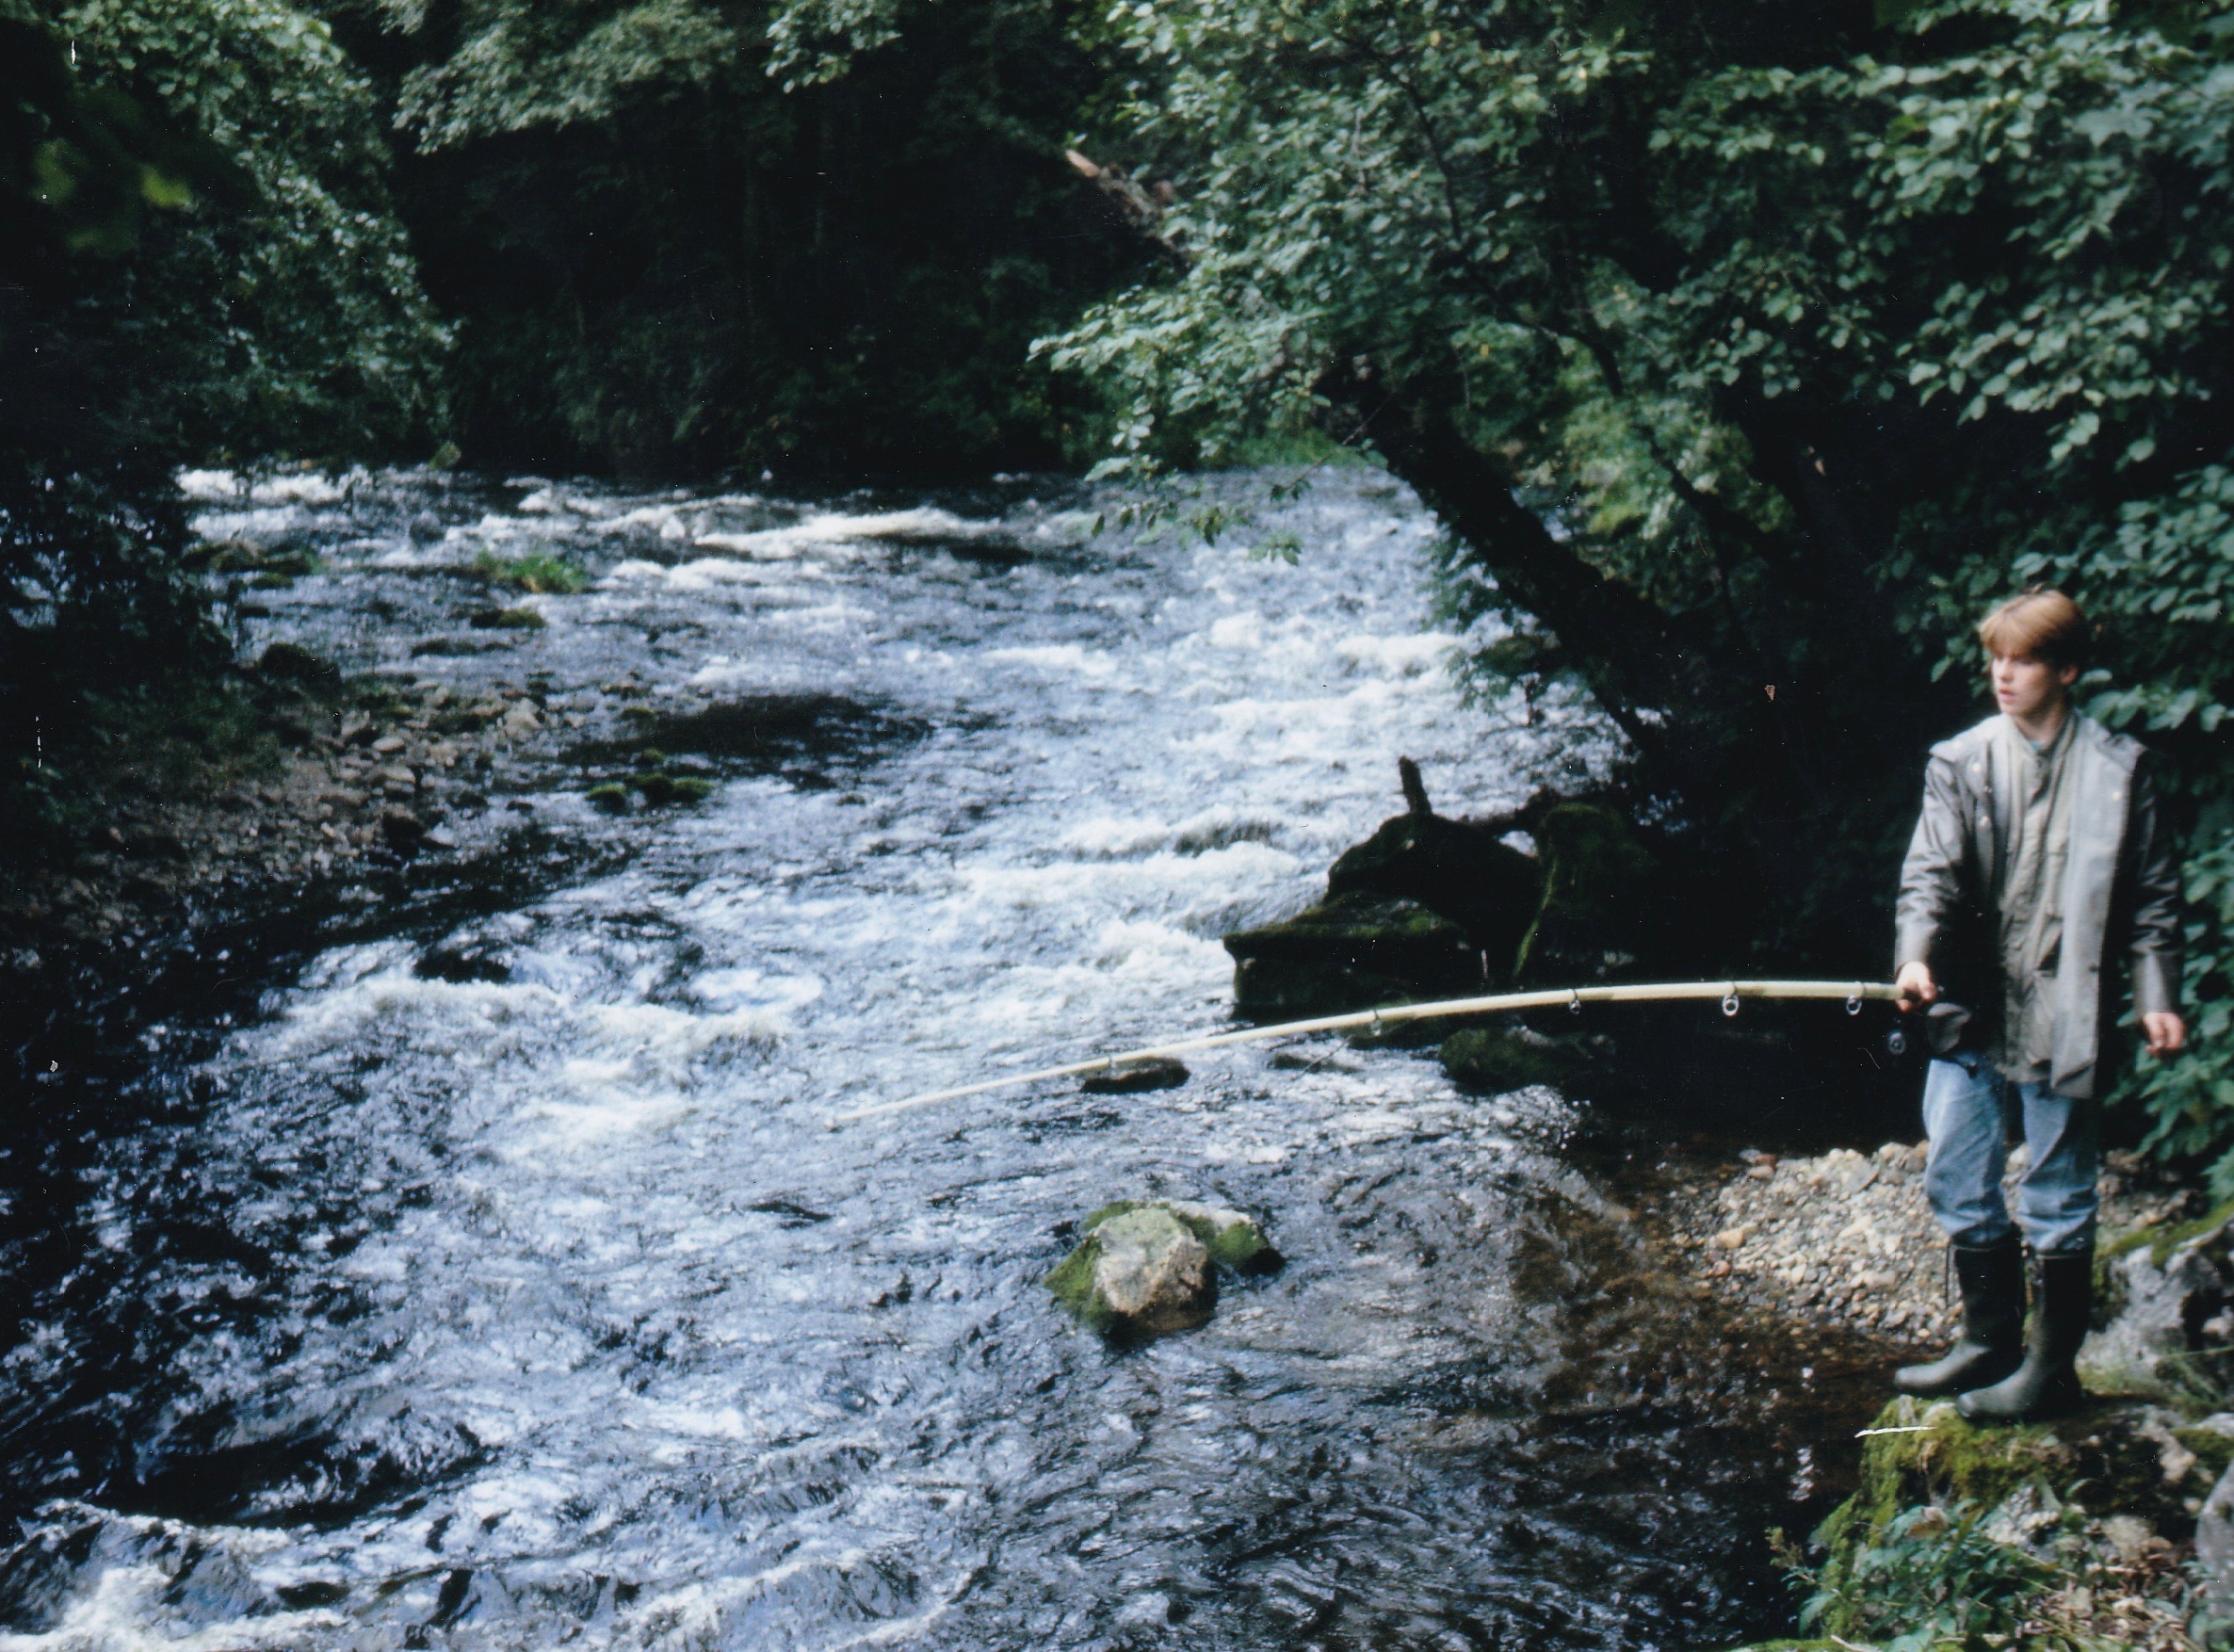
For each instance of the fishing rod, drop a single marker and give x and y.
(1731, 993)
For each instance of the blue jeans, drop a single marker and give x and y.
(1964, 1116)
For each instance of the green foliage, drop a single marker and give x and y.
(812, 232)
(538, 572)
(1932, 1579)
(296, 323)
(196, 257)
(1751, 352)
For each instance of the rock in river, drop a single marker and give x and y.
(1349, 952)
(1146, 1268)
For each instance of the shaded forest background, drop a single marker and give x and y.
(1746, 350)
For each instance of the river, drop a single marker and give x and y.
(463, 1260)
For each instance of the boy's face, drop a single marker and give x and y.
(2024, 684)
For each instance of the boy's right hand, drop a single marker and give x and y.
(1916, 986)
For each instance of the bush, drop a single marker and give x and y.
(1931, 1579)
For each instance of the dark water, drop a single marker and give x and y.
(464, 1261)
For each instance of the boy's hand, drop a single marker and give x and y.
(2167, 1034)
(1917, 987)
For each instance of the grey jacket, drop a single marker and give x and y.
(2121, 890)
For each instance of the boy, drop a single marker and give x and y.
(2041, 856)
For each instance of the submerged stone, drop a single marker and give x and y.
(292, 662)
(1159, 1073)
(1498, 1059)
(1350, 952)
(508, 619)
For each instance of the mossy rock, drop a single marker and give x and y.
(1456, 870)
(1495, 1060)
(1602, 887)
(540, 572)
(1352, 952)
(2163, 1241)
(1138, 1272)
(611, 797)
(1234, 1241)
(2155, 1290)
(508, 619)
(660, 789)
(1235, 1244)
(293, 663)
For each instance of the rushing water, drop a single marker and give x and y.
(492, 1279)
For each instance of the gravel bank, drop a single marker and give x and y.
(1846, 1239)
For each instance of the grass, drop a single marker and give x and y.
(541, 573)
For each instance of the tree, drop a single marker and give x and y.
(1748, 350)
(196, 259)
(717, 234)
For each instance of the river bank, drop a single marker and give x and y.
(2082, 1533)
(345, 776)
(1846, 1239)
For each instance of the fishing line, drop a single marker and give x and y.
(1731, 993)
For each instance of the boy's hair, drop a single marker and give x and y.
(2042, 623)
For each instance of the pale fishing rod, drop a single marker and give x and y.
(1731, 993)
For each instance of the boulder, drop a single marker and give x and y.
(1601, 887)
(1352, 952)
(1147, 1268)
(1456, 869)
(2161, 1289)
(1495, 1060)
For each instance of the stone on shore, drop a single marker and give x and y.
(2161, 1292)
(1350, 952)
(1497, 1059)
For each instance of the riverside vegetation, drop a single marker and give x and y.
(1745, 352)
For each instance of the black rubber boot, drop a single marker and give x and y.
(2045, 1385)
(1992, 1278)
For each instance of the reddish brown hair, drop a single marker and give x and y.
(2043, 623)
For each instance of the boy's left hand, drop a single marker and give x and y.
(2167, 1034)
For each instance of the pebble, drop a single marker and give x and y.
(1845, 1239)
